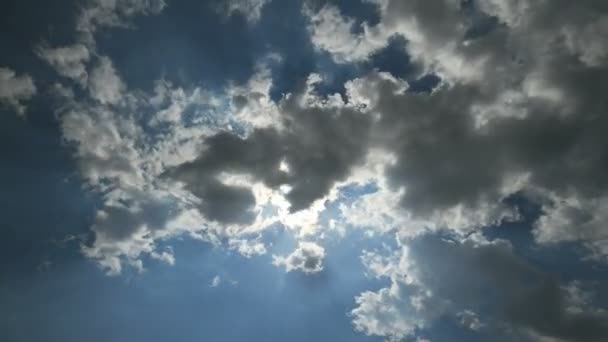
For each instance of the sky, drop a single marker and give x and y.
(304, 170)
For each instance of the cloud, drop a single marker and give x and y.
(104, 84)
(589, 217)
(332, 32)
(512, 113)
(164, 256)
(247, 247)
(480, 284)
(98, 14)
(519, 106)
(461, 149)
(319, 141)
(15, 89)
(68, 61)
(307, 258)
(250, 9)
(251, 102)
(123, 162)
(216, 281)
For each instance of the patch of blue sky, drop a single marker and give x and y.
(253, 300)
(186, 44)
(24, 25)
(42, 197)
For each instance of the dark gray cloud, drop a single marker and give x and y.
(520, 105)
(517, 101)
(434, 277)
(319, 144)
(258, 155)
(520, 294)
(444, 159)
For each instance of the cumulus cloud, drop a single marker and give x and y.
(134, 171)
(15, 89)
(519, 106)
(319, 142)
(68, 61)
(332, 32)
(104, 84)
(479, 284)
(307, 258)
(120, 162)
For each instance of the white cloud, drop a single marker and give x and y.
(251, 103)
(164, 256)
(247, 248)
(122, 162)
(104, 83)
(436, 35)
(216, 281)
(14, 89)
(332, 32)
(250, 9)
(68, 61)
(307, 258)
(98, 14)
(434, 32)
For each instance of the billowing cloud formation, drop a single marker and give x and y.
(307, 258)
(455, 153)
(134, 171)
(519, 107)
(482, 285)
(15, 89)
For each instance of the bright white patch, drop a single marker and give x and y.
(284, 166)
(216, 281)
(332, 32)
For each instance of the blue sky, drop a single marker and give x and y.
(303, 170)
